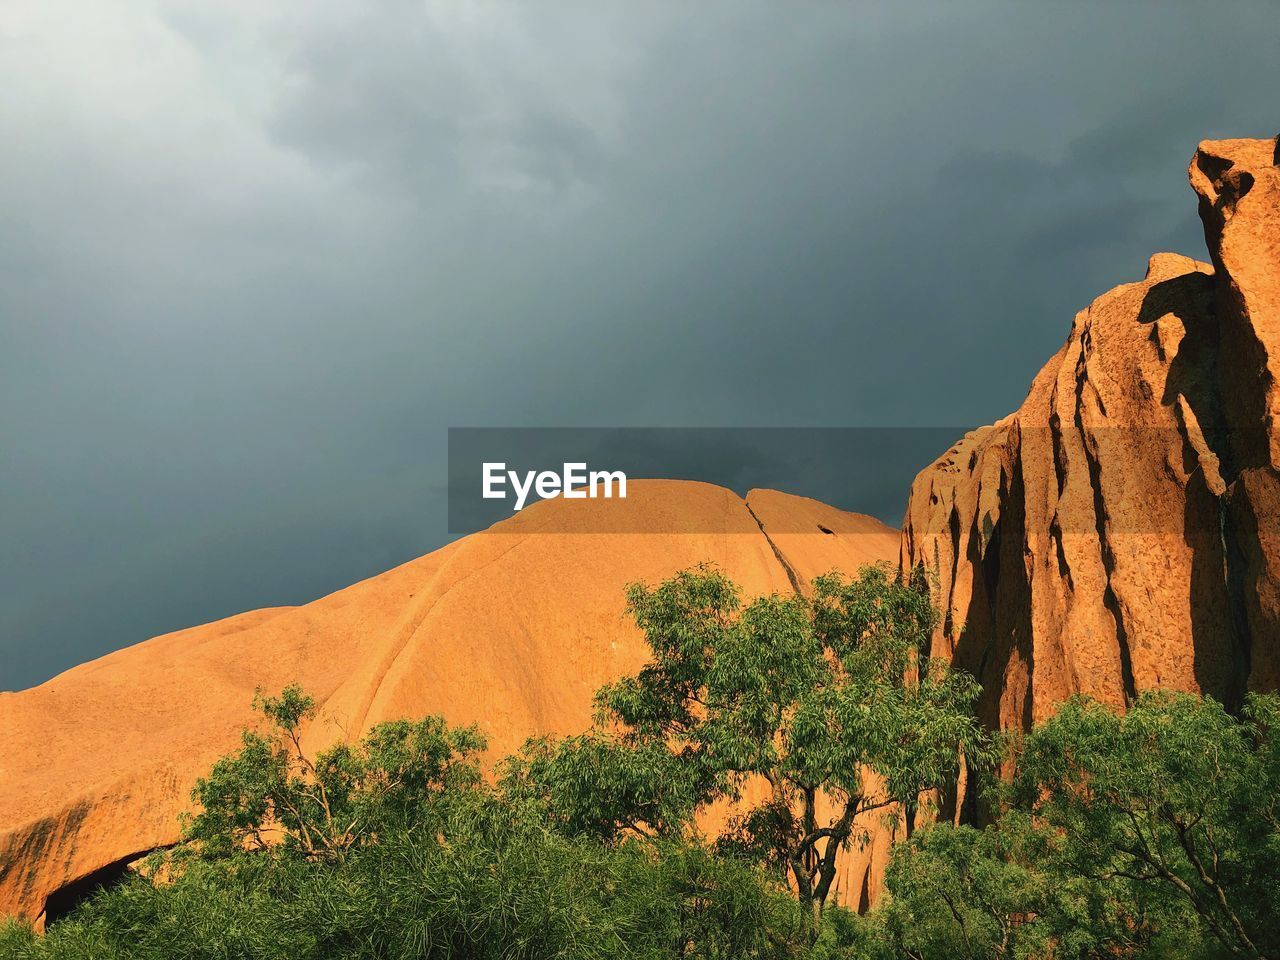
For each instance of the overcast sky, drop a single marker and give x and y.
(256, 256)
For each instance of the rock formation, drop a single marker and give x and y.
(513, 629)
(1119, 531)
(1116, 534)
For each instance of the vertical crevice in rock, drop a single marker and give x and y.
(949, 627)
(864, 893)
(791, 573)
(1106, 552)
(1234, 570)
(989, 564)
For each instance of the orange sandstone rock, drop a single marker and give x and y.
(512, 629)
(1119, 531)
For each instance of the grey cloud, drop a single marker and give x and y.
(256, 258)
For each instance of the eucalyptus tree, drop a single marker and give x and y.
(272, 796)
(825, 709)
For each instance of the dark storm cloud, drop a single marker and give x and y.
(256, 258)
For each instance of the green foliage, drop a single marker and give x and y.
(502, 889)
(965, 894)
(594, 785)
(396, 847)
(1155, 833)
(831, 698)
(271, 796)
(1172, 811)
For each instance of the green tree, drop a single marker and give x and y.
(831, 703)
(501, 888)
(271, 795)
(1154, 833)
(1171, 811)
(395, 848)
(958, 893)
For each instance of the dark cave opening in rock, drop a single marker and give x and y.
(65, 899)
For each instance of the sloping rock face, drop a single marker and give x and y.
(1119, 531)
(513, 629)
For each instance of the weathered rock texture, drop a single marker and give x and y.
(513, 629)
(1119, 531)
